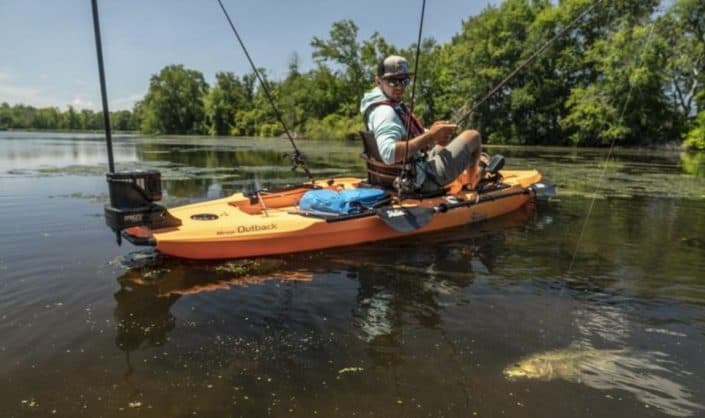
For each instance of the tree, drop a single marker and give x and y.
(488, 48)
(695, 138)
(222, 102)
(627, 103)
(123, 120)
(71, 120)
(343, 49)
(683, 28)
(174, 102)
(6, 120)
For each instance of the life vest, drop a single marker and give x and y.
(378, 172)
(408, 118)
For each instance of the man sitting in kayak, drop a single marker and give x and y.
(387, 117)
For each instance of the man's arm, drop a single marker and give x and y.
(440, 133)
(388, 131)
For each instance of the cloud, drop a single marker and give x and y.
(125, 103)
(13, 93)
(25, 95)
(80, 103)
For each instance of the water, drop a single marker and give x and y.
(421, 327)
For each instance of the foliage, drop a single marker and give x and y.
(693, 163)
(51, 118)
(334, 126)
(174, 103)
(223, 101)
(695, 138)
(572, 72)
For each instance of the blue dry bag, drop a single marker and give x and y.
(346, 202)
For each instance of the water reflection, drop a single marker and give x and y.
(394, 281)
(650, 376)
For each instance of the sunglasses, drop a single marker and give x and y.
(393, 82)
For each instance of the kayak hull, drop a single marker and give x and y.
(238, 227)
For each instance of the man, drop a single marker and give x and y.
(387, 118)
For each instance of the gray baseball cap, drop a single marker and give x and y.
(393, 66)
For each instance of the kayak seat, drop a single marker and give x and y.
(381, 174)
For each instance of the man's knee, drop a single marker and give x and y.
(471, 138)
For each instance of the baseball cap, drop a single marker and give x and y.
(393, 66)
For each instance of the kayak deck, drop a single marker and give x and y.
(239, 226)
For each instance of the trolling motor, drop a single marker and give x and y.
(132, 197)
(132, 193)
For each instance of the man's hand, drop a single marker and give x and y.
(442, 132)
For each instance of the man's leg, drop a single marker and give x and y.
(460, 156)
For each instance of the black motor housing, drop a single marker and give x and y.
(132, 197)
(134, 189)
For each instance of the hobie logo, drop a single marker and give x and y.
(394, 213)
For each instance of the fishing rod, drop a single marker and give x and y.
(297, 159)
(521, 66)
(405, 173)
(103, 90)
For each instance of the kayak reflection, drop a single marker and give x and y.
(394, 280)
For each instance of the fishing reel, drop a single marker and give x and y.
(297, 160)
(404, 183)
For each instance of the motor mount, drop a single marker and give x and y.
(132, 197)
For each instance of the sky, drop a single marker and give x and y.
(47, 47)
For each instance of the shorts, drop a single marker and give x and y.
(445, 164)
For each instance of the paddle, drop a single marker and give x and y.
(407, 219)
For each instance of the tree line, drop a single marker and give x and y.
(629, 72)
(52, 118)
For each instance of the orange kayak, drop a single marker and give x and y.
(242, 226)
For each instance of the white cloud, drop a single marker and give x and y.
(13, 93)
(25, 95)
(127, 102)
(80, 103)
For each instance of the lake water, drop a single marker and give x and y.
(603, 287)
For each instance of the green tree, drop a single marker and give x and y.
(71, 120)
(6, 120)
(683, 29)
(174, 103)
(489, 46)
(223, 100)
(627, 103)
(695, 138)
(343, 49)
(123, 120)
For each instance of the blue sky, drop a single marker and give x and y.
(47, 49)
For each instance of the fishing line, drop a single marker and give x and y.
(521, 66)
(297, 159)
(609, 152)
(413, 87)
